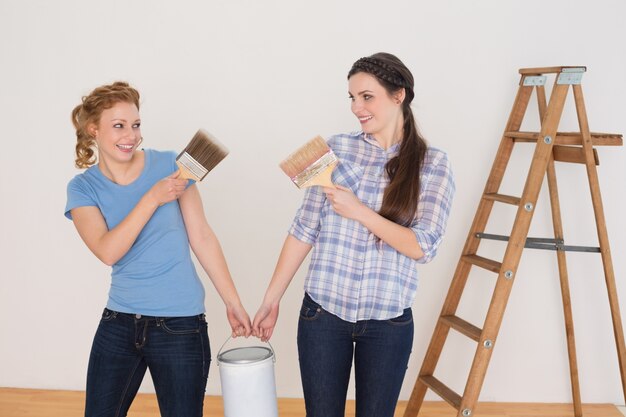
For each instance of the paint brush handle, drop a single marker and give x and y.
(324, 178)
(185, 173)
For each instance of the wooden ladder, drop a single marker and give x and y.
(551, 146)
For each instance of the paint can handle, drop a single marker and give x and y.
(230, 337)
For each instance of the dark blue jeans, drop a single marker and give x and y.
(175, 349)
(326, 346)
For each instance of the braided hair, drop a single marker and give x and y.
(402, 194)
(89, 112)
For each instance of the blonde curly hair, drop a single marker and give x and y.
(89, 112)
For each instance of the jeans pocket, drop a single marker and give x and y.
(108, 315)
(310, 310)
(181, 325)
(402, 320)
(202, 318)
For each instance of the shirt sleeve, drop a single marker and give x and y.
(433, 207)
(306, 224)
(78, 195)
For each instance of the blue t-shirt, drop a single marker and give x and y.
(156, 277)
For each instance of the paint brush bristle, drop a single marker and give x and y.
(311, 164)
(201, 155)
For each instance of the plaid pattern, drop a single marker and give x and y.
(350, 274)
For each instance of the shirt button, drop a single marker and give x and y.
(137, 316)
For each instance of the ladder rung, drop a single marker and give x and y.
(570, 138)
(460, 325)
(572, 154)
(442, 390)
(488, 264)
(508, 199)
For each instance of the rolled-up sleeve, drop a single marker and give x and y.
(306, 225)
(433, 207)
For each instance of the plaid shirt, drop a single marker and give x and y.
(352, 274)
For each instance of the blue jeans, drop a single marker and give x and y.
(175, 349)
(326, 346)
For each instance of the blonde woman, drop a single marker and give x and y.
(135, 214)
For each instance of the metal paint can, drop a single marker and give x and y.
(248, 384)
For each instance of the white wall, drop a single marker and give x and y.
(265, 77)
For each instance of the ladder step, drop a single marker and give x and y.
(570, 138)
(488, 264)
(442, 390)
(460, 325)
(508, 199)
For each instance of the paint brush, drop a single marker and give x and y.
(311, 164)
(200, 156)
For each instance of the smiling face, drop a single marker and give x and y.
(378, 111)
(118, 133)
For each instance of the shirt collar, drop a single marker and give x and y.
(391, 151)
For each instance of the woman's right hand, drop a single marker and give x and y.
(264, 321)
(168, 189)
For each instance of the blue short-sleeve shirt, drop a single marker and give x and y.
(156, 277)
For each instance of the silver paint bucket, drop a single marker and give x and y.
(248, 384)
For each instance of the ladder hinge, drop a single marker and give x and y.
(571, 76)
(534, 80)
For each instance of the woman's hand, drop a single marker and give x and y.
(344, 202)
(239, 321)
(264, 321)
(111, 245)
(168, 189)
(399, 237)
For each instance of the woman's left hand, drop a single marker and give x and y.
(344, 202)
(239, 321)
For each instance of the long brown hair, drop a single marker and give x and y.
(401, 195)
(90, 110)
